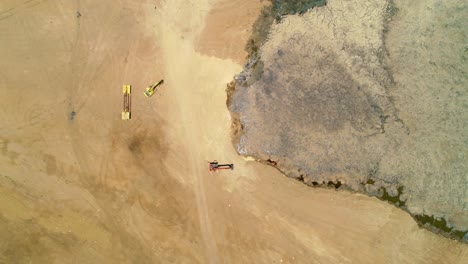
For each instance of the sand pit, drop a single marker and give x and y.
(97, 189)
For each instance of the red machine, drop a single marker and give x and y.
(214, 166)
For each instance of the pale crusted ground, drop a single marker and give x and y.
(428, 52)
(96, 189)
(336, 101)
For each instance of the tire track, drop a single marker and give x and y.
(11, 11)
(181, 24)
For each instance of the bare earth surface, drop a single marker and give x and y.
(96, 189)
(379, 106)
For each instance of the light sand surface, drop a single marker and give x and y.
(227, 29)
(97, 189)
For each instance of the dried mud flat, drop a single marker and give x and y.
(369, 96)
(79, 185)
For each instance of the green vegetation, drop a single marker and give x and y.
(430, 222)
(289, 7)
(440, 224)
(393, 199)
(260, 30)
(370, 181)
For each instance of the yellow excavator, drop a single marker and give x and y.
(152, 89)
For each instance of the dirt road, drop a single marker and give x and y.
(96, 189)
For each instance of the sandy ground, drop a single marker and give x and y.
(226, 33)
(97, 189)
